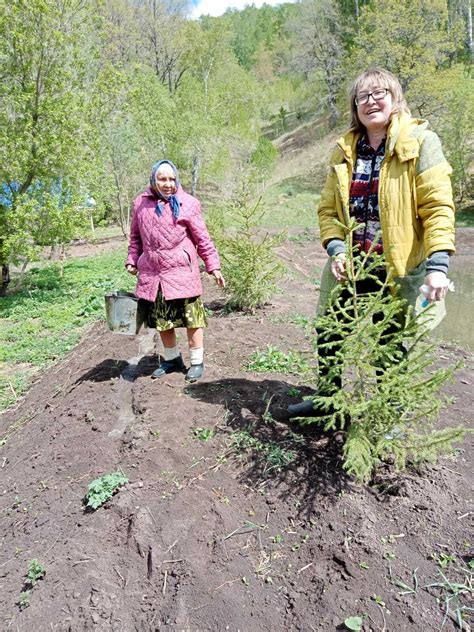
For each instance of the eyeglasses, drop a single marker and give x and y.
(377, 95)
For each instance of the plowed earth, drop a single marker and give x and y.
(204, 537)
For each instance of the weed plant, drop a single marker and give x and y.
(35, 572)
(103, 488)
(454, 592)
(389, 395)
(41, 322)
(275, 456)
(273, 360)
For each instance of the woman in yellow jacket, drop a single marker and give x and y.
(388, 172)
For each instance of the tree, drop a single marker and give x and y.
(390, 391)
(215, 105)
(318, 47)
(418, 45)
(44, 48)
(163, 39)
(250, 265)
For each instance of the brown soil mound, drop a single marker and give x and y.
(203, 537)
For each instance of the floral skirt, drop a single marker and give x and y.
(181, 312)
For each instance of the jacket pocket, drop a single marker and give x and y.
(188, 260)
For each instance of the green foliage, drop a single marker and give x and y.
(353, 623)
(456, 126)
(44, 120)
(419, 39)
(204, 434)
(453, 592)
(264, 156)
(35, 572)
(24, 600)
(43, 321)
(290, 203)
(250, 264)
(273, 360)
(101, 489)
(389, 396)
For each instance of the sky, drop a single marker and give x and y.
(218, 7)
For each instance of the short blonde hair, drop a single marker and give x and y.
(376, 78)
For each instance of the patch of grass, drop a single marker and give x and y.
(290, 204)
(465, 216)
(44, 320)
(273, 360)
(103, 488)
(454, 592)
(274, 455)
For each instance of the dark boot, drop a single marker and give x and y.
(195, 372)
(306, 409)
(169, 366)
(302, 409)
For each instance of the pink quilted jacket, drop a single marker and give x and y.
(165, 250)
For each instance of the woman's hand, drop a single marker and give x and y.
(131, 269)
(218, 278)
(437, 284)
(338, 266)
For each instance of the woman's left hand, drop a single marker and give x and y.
(437, 284)
(217, 274)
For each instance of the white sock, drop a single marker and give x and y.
(196, 355)
(170, 353)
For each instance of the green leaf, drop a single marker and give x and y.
(103, 488)
(353, 623)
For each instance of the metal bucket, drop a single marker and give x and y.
(124, 314)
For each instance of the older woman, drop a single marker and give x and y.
(166, 236)
(388, 172)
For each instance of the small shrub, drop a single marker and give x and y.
(103, 488)
(250, 264)
(388, 395)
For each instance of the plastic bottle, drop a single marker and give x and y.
(430, 314)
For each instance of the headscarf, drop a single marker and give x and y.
(162, 199)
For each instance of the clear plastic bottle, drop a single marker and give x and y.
(430, 314)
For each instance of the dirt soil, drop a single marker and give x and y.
(203, 537)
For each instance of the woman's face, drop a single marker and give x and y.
(165, 180)
(375, 115)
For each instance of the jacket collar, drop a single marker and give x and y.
(403, 138)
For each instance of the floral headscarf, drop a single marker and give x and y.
(172, 199)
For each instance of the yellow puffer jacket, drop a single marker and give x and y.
(415, 198)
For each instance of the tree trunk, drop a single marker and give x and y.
(469, 31)
(5, 279)
(195, 173)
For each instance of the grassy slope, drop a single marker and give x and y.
(43, 321)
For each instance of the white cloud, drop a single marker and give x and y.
(218, 7)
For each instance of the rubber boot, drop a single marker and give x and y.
(195, 372)
(169, 366)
